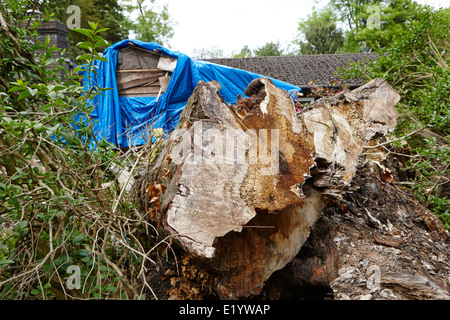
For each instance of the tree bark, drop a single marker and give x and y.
(240, 187)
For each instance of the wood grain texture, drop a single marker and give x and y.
(246, 183)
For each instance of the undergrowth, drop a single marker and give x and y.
(69, 229)
(416, 64)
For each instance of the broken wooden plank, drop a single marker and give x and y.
(135, 75)
(164, 82)
(138, 82)
(138, 70)
(137, 91)
(167, 63)
(134, 57)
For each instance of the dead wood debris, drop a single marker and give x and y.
(242, 227)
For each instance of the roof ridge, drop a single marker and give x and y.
(299, 70)
(298, 55)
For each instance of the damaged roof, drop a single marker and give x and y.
(151, 86)
(299, 70)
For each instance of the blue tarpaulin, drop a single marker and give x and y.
(125, 121)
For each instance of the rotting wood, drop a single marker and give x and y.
(403, 256)
(245, 183)
(342, 126)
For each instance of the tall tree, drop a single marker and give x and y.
(244, 53)
(107, 13)
(319, 33)
(149, 23)
(373, 25)
(269, 49)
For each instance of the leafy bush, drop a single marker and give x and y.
(60, 203)
(416, 65)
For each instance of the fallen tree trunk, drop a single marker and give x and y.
(239, 187)
(379, 243)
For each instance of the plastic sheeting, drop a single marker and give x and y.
(126, 121)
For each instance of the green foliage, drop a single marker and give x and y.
(244, 53)
(118, 20)
(270, 49)
(60, 202)
(365, 25)
(320, 33)
(107, 13)
(417, 66)
(150, 25)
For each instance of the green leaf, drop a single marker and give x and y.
(12, 89)
(83, 252)
(22, 224)
(24, 94)
(16, 205)
(53, 95)
(110, 288)
(49, 62)
(93, 25)
(33, 91)
(62, 259)
(68, 137)
(35, 292)
(118, 278)
(100, 43)
(78, 69)
(5, 261)
(102, 30)
(101, 59)
(86, 259)
(86, 32)
(53, 129)
(78, 239)
(85, 45)
(84, 57)
(7, 119)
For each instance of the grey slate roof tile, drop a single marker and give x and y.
(299, 70)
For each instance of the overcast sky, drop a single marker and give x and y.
(232, 24)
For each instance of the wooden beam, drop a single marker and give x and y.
(140, 70)
(138, 82)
